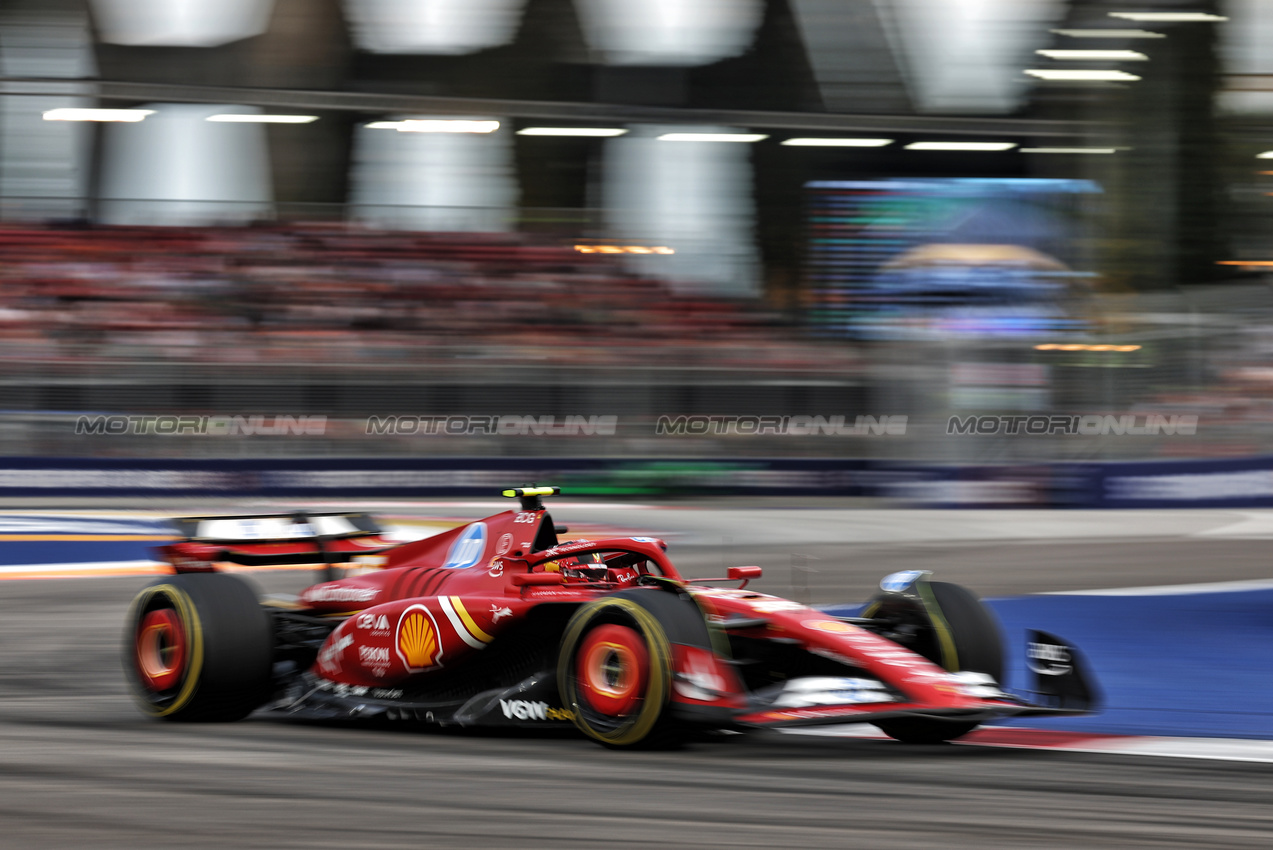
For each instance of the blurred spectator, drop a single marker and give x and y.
(313, 294)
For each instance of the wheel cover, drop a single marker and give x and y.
(161, 649)
(612, 667)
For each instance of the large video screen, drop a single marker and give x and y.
(942, 257)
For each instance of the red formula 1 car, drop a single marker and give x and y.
(498, 623)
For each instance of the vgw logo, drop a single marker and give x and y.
(468, 548)
(520, 709)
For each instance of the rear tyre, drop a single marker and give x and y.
(966, 638)
(198, 647)
(614, 673)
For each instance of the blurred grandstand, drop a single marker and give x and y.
(810, 208)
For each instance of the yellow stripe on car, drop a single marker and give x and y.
(464, 626)
(474, 629)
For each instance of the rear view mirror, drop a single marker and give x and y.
(744, 574)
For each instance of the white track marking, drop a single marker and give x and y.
(1252, 526)
(103, 567)
(1215, 749)
(1171, 589)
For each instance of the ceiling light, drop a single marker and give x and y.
(442, 125)
(68, 114)
(1265, 155)
(712, 137)
(598, 132)
(1186, 17)
(1109, 33)
(1081, 76)
(1094, 55)
(1052, 346)
(838, 143)
(623, 249)
(961, 146)
(245, 118)
(1069, 150)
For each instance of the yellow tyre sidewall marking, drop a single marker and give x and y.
(653, 700)
(945, 637)
(189, 617)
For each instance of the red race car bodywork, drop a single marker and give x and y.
(497, 622)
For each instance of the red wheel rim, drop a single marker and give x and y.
(161, 649)
(612, 666)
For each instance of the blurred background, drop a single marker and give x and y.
(642, 209)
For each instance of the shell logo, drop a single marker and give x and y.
(417, 639)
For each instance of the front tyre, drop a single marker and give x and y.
(198, 647)
(965, 638)
(614, 672)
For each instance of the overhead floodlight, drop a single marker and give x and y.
(1109, 33)
(1094, 55)
(383, 125)
(1169, 17)
(1265, 155)
(247, 118)
(580, 132)
(838, 143)
(624, 249)
(1074, 76)
(446, 125)
(712, 137)
(1069, 150)
(71, 114)
(961, 146)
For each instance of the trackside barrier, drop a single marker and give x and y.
(429, 477)
(1231, 483)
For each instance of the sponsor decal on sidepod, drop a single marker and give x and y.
(416, 639)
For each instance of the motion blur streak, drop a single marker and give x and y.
(959, 53)
(694, 196)
(180, 23)
(669, 32)
(44, 162)
(433, 181)
(1245, 40)
(433, 26)
(208, 172)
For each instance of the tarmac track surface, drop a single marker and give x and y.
(79, 767)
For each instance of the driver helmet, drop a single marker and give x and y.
(590, 566)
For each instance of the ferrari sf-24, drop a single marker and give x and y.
(499, 623)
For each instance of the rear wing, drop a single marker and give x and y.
(263, 540)
(276, 528)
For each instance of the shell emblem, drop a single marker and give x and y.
(417, 639)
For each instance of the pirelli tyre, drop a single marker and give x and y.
(965, 638)
(614, 669)
(198, 647)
